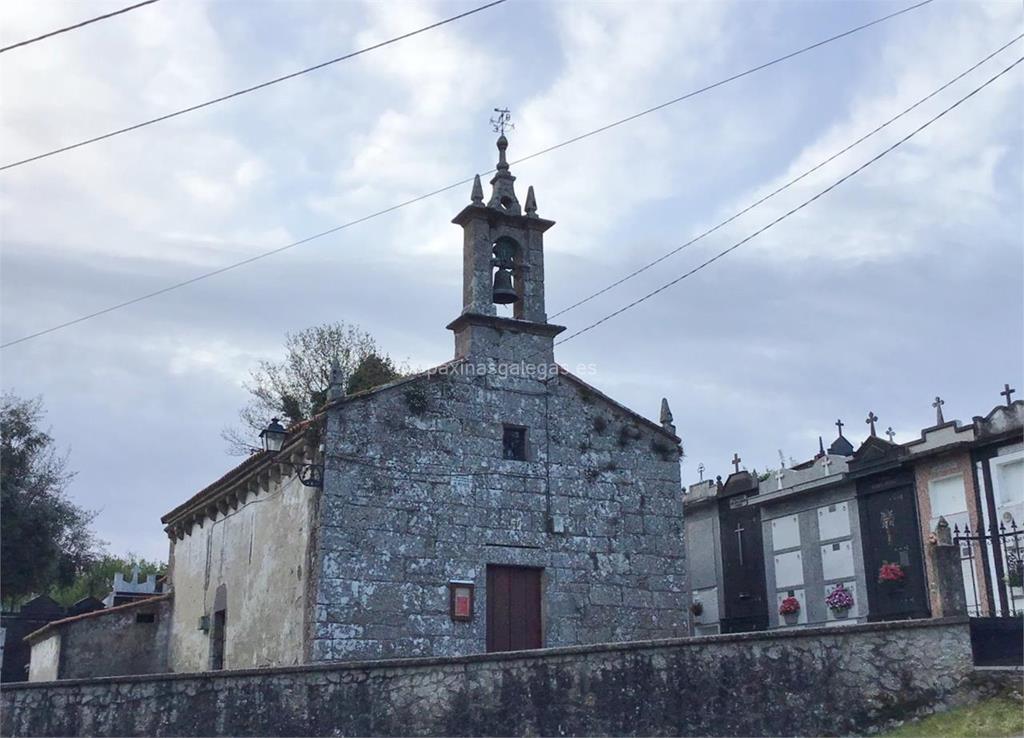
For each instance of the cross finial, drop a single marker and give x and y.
(871, 421)
(700, 470)
(939, 402)
(503, 121)
(1007, 393)
(891, 433)
(839, 425)
(736, 461)
(666, 415)
(336, 385)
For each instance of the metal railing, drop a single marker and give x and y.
(993, 564)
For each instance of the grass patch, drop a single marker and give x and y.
(993, 718)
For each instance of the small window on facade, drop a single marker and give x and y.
(217, 640)
(145, 617)
(514, 443)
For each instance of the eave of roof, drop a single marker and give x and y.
(632, 413)
(255, 462)
(809, 485)
(439, 369)
(245, 471)
(54, 624)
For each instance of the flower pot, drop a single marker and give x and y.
(840, 614)
(791, 618)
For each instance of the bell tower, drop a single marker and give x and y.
(503, 264)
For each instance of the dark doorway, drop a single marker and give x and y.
(217, 640)
(513, 608)
(891, 535)
(745, 593)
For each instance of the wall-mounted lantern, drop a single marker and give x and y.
(311, 475)
(460, 601)
(273, 436)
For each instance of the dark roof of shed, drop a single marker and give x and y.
(36, 634)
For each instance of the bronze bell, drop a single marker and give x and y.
(504, 292)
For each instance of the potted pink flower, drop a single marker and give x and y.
(839, 601)
(891, 574)
(789, 609)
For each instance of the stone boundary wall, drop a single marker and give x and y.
(820, 681)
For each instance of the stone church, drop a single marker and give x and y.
(496, 502)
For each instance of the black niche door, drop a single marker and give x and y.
(746, 600)
(891, 536)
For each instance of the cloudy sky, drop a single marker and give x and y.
(904, 283)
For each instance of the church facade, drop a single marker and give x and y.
(496, 502)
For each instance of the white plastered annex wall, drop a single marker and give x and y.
(44, 664)
(259, 552)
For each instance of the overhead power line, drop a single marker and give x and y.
(59, 31)
(788, 184)
(796, 209)
(419, 198)
(247, 90)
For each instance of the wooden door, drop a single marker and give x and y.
(891, 535)
(745, 592)
(513, 608)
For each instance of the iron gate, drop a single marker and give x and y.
(993, 566)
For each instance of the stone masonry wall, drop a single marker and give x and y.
(106, 643)
(417, 494)
(823, 681)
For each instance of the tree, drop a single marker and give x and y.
(372, 371)
(97, 579)
(45, 539)
(296, 387)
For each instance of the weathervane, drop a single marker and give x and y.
(503, 121)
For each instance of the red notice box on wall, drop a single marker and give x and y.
(460, 596)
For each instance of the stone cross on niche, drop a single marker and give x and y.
(826, 462)
(939, 402)
(1007, 393)
(891, 433)
(871, 421)
(736, 461)
(779, 476)
(739, 541)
